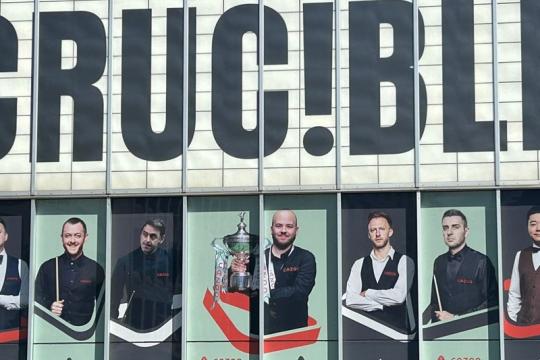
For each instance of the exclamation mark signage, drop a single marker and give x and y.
(318, 20)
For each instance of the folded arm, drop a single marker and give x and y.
(354, 297)
(398, 293)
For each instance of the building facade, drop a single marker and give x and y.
(194, 112)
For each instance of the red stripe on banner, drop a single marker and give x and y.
(289, 341)
(249, 344)
(14, 335)
(506, 284)
(236, 299)
(518, 331)
(239, 340)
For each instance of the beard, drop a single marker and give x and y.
(380, 246)
(283, 246)
(74, 253)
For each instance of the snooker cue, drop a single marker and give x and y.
(57, 286)
(127, 306)
(437, 292)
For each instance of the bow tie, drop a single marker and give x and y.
(534, 250)
(1, 258)
(457, 257)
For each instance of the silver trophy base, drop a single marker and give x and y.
(240, 281)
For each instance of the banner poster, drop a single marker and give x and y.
(69, 279)
(220, 300)
(520, 229)
(379, 287)
(146, 280)
(458, 286)
(14, 260)
(300, 277)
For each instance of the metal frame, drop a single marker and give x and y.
(108, 276)
(260, 111)
(34, 96)
(339, 273)
(495, 74)
(261, 276)
(31, 272)
(108, 174)
(33, 154)
(497, 135)
(500, 274)
(185, 270)
(337, 47)
(416, 81)
(185, 129)
(185, 98)
(419, 267)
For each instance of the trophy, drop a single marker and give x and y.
(241, 244)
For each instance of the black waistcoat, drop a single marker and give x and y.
(393, 315)
(12, 286)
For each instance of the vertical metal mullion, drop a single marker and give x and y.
(108, 273)
(260, 46)
(184, 277)
(35, 83)
(500, 273)
(33, 155)
(337, 57)
(339, 274)
(31, 272)
(262, 244)
(109, 98)
(496, 132)
(185, 114)
(495, 60)
(185, 97)
(416, 82)
(420, 268)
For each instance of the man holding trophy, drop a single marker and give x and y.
(288, 276)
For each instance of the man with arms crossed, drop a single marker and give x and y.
(463, 279)
(69, 284)
(13, 284)
(380, 283)
(524, 294)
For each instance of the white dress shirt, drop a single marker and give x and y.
(514, 294)
(14, 302)
(376, 299)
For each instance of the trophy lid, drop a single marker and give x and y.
(241, 235)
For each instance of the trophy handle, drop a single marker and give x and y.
(218, 245)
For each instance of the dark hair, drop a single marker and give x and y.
(533, 210)
(455, 212)
(156, 223)
(3, 223)
(379, 214)
(74, 221)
